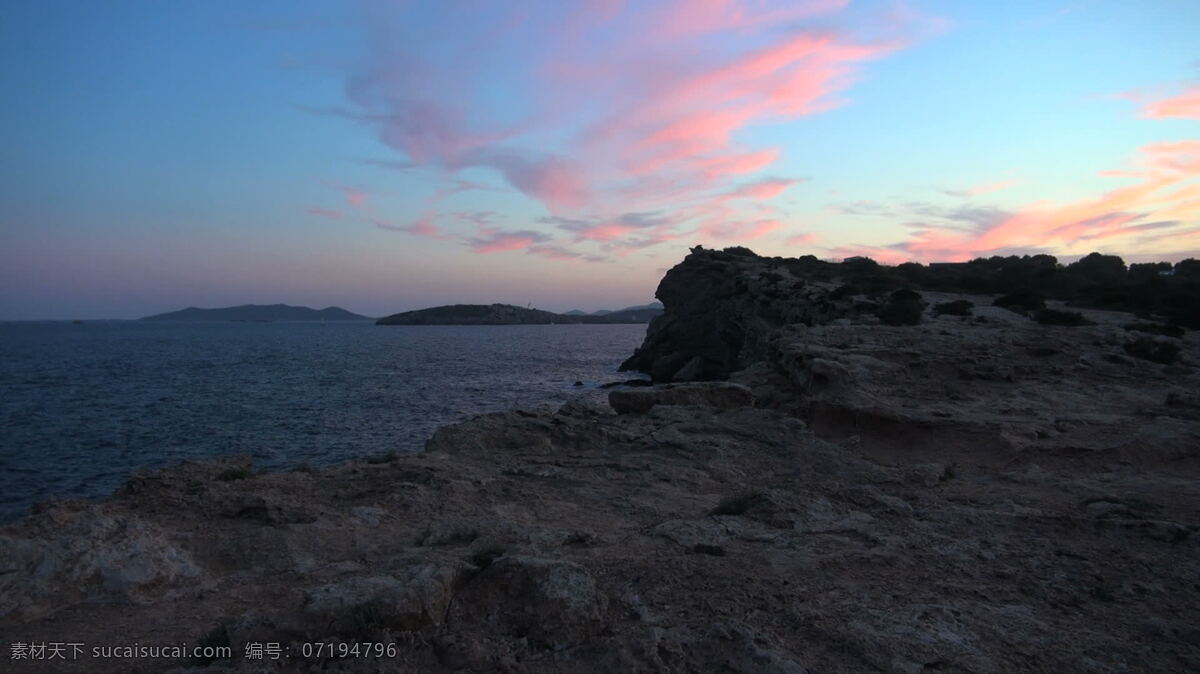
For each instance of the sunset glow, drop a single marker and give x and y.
(384, 156)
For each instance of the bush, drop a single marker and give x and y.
(955, 308)
(1157, 329)
(1022, 302)
(1056, 317)
(904, 307)
(844, 290)
(1153, 350)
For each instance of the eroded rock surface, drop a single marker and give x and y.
(721, 395)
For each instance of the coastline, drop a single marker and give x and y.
(961, 494)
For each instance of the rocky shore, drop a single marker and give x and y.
(807, 489)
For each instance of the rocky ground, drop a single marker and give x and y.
(973, 493)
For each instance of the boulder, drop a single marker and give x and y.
(409, 599)
(89, 555)
(553, 603)
(721, 395)
(721, 308)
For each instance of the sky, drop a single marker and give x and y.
(384, 156)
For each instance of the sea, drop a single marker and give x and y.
(84, 405)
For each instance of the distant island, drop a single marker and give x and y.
(507, 314)
(259, 313)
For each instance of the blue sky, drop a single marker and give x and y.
(384, 156)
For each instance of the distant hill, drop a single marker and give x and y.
(640, 314)
(653, 306)
(507, 314)
(259, 312)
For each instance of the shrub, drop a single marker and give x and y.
(1056, 317)
(1022, 302)
(844, 290)
(904, 307)
(955, 308)
(1153, 350)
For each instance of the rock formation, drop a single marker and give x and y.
(721, 308)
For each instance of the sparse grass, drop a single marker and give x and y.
(304, 468)
(368, 620)
(377, 459)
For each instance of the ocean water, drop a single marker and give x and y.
(84, 405)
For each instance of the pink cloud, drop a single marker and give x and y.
(1165, 196)
(800, 239)
(635, 88)
(326, 213)
(984, 188)
(884, 255)
(740, 231)
(1185, 105)
(694, 18)
(493, 240)
(767, 188)
(423, 227)
(559, 253)
(604, 232)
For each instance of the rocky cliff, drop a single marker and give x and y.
(977, 491)
(720, 310)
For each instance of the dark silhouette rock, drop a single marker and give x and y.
(719, 310)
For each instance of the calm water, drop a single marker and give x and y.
(84, 405)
